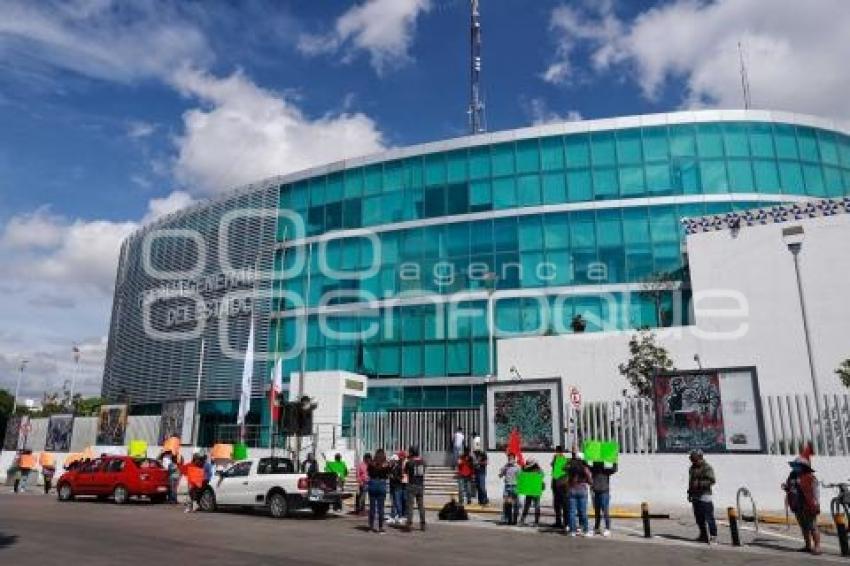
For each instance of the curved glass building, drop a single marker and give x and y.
(408, 266)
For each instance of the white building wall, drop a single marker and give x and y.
(762, 327)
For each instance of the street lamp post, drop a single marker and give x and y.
(793, 238)
(491, 278)
(76, 353)
(18, 384)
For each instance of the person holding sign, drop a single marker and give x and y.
(578, 477)
(530, 484)
(559, 487)
(510, 501)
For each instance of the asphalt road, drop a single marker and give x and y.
(36, 529)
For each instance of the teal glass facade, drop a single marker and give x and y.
(552, 214)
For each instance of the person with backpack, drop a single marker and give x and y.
(700, 481)
(414, 471)
(480, 461)
(601, 488)
(464, 477)
(531, 467)
(803, 499)
(578, 478)
(510, 502)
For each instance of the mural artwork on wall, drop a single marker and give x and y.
(59, 429)
(111, 425)
(176, 421)
(532, 407)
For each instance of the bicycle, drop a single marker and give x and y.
(841, 501)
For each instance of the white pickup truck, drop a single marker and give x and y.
(271, 484)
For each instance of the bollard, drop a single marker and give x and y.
(644, 513)
(841, 530)
(733, 526)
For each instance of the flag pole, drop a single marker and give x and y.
(196, 410)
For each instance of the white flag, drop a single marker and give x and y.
(247, 378)
(277, 376)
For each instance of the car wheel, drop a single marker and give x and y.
(64, 492)
(320, 510)
(207, 501)
(278, 507)
(120, 494)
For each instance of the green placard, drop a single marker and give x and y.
(240, 451)
(559, 468)
(529, 483)
(610, 452)
(592, 451)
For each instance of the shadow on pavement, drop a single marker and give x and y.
(7, 540)
(680, 538)
(774, 546)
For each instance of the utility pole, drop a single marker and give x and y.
(476, 107)
(18, 385)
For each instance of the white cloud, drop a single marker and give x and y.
(111, 40)
(244, 133)
(38, 229)
(796, 52)
(540, 112)
(137, 129)
(159, 207)
(382, 28)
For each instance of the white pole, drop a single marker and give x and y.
(18, 385)
(195, 412)
(76, 352)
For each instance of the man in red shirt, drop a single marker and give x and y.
(465, 474)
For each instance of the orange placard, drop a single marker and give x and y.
(87, 453)
(27, 461)
(46, 460)
(171, 445)
(221, 452)
(71, 458)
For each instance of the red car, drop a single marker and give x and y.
(119, 477)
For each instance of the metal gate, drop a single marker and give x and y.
(430, 431)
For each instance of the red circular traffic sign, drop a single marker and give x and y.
(575, 397)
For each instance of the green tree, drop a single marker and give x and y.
(843, 372)
(646, 357)
(7, 400)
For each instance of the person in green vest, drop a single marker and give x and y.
(338, 466)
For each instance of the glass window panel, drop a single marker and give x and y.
(605, 185)
(527, 156)
(629, 147)
(832, 181)
(528, 188)
(372, 177)
(685, 176)
(389, 363)
(785, 138)
(807, 140)
(392, 207)
(682, 142)
(481, 236)
(457, 239)
(480, 196)
(843, 150)
(351, 213)
(591, 309)
(504, 193)
(713, 176)
(791, 177)
(761, 140)
(317, 191)
(508, 267)
(710, 140)
(435, 202)
(459, 362)
(636, 225)
(554, 188)
(579, 186)
(508, 315)
(828, 148)
(480, 355)
(736, 140)
(393, 176)
(479, 162)
(412, 395)
(433, 397)
(552, 154)
(666, 257)
(505, 234)
(530, 233)
(557, 230)
(502, 159)
(435, 169)
(456, 163)
(435, 361)
(412, 203)
(815, 185)
(532, 319)
(609, 228)
(457, 199)
(664, 225)
(299, 195)
(767, 176)
(631, 181)
(459, 395)
(578, 151)
(740, 175)
(561, 273)
(333, 189)
(655, 145)
(333, 216)
(658, 179)
(602, 149)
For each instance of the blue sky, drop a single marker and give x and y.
(114, 112)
